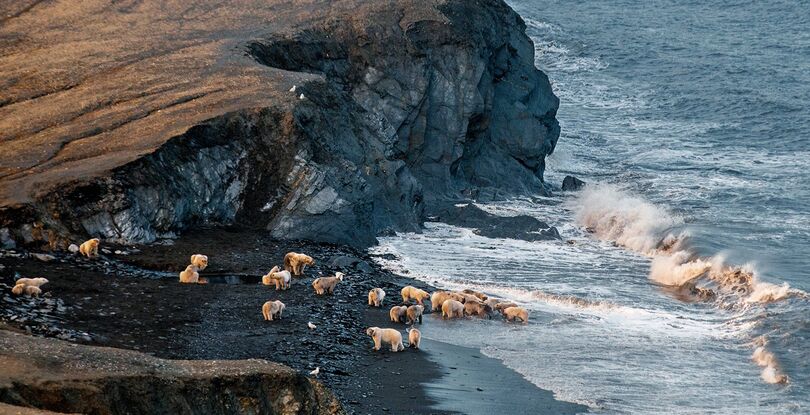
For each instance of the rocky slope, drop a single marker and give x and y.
(64, 377)
(135, 120)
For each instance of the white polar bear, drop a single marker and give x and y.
(394, 337)
(376, 297)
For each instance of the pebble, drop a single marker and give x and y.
(44, 257)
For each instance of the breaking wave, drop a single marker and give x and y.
(612, 214)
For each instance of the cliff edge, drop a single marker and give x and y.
(135, 120)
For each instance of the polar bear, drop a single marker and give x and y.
(190, 275)
(388, 336)
(325, 285)
(492, 302)
(481, 296)
(469, 298)
(414, 337)
(439, 297)
(475, 308)
(504, 305)
(410, 292)
(415, 313)
(18, 289)
(296, 263)
(200, 261)
(272, 309)
(398, 313)
(90, 248)
(376, 297)
(512, 313)
(452, 309)
(278, 278)
(36, 282)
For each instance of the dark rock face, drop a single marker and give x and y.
(521, 227)
(405, 105)
(572, 184)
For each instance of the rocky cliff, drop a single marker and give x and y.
(135, 120)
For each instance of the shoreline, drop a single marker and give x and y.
(113, 302)
(475, 384)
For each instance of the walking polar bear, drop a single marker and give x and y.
(512, 313)
(376, 297)
(452, 309)
(325, 285)
(36, 282)
(199, 261)
(397, 313)
(278, 278)
(29, 286)
(394, 337)
(90, 248)
(272, 309)
(296, 263)
(410, 292)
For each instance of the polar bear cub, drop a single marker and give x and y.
(414, 337)
(272, 309)
(452, 309)
(410, 292)
(397, 313)
(394, 337)
(90, 248)
(325, 285)
(199, 261)
(376, 297)
(190, 275)
(512, 313)
(296, 263)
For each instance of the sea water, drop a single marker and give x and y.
(680, 284)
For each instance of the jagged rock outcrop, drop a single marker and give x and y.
(135, 120)
(59, 376)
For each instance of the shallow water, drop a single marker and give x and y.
(690, 119)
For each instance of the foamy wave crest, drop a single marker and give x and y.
(630, 221)
(739, 285)
(771, 371)
(678, 268)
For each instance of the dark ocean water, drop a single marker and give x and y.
(689, 120)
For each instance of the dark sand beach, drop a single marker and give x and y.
(134, 301)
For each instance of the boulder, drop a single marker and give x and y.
(572, 184)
